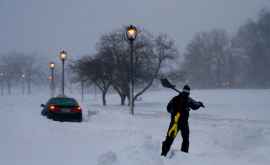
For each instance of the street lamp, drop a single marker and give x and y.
(52, 66)
(131, 33)
(23, 83)
(63, 57)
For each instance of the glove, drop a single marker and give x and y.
(201, 104)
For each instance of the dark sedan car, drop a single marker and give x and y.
(62, 109)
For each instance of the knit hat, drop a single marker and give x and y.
(186, 89)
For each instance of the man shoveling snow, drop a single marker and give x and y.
(179, 108)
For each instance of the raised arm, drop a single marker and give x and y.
(194, 104)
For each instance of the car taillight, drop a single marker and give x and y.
(76, 109)
(53, 108)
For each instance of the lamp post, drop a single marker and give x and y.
(23, 83)
(63, 57)
(131, 33)
(52, 66)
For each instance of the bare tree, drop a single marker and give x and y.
(94, 70)
(113, 49)
(206, 58)
(110, 65)
(149, 55)
(253, 39)
(78, 75)
(163, 49)
(20, 69)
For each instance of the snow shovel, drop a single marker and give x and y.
(166, 83)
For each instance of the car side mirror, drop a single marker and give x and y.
(42, 105)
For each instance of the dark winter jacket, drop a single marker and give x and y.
(182, 104)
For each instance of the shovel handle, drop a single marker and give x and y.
(176, 90)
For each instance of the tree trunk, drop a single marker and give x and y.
(2, 88)
(29, 84)
(29, 87)
(123, 100)
(9, 87)
(104, 89)
(104, 102)
(149, 83)
(129, 101)
(122, 95)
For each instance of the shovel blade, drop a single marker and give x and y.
(166, 83)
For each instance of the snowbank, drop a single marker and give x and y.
(233, 129)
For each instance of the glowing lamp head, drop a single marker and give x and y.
(63, 55)
(131, 32)
(51, 65)
(23, 75)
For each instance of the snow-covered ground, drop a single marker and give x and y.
(234, 128)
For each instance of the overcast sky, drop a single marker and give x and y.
(47, 26)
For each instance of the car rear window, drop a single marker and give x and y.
(63, 101)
